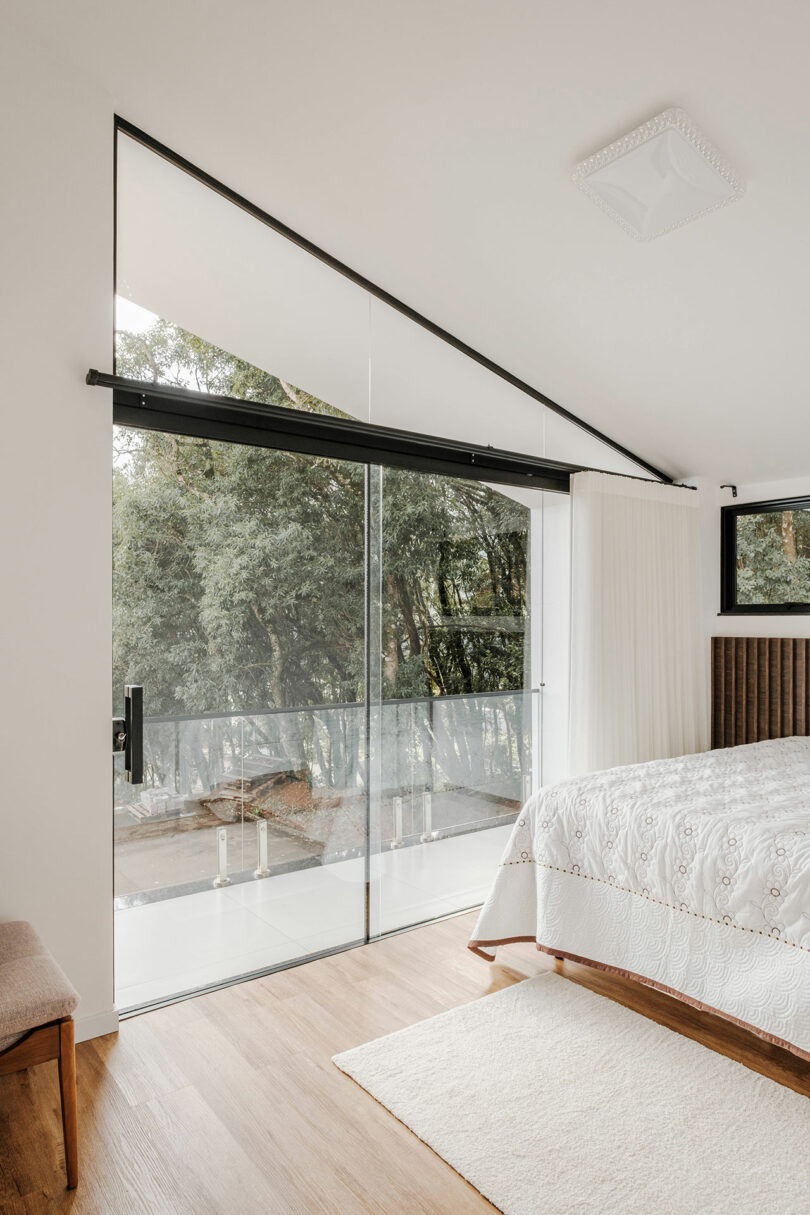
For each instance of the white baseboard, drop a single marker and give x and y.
(96, 1025)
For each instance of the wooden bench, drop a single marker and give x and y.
(36, 1003)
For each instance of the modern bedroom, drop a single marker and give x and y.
(406, 638)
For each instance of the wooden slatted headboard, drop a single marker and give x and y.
(760, 688)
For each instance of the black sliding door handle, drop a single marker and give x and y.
(133, 729)
(119, 735)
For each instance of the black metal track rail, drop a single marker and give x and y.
(180, 411)
(379, 293)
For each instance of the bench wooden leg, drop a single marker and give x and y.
(67, 1090)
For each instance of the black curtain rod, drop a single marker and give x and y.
(632, 477)
(180, 162)
(229, 419)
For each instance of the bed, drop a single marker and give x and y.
(691, 875)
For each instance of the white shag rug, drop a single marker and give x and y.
(550, 1099)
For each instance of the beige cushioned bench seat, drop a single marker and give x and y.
(33, 989)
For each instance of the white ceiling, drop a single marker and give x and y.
(429, 144)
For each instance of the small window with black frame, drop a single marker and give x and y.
(765, 557)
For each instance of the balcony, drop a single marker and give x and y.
(259, 839)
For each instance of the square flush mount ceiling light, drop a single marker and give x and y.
(660, 176)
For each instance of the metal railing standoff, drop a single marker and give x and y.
(222, 878)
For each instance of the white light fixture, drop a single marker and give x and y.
(659, 176)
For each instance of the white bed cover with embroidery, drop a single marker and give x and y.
(692, 873)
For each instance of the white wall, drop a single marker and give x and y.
(55, 321)
(55, 507)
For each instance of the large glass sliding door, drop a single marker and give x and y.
(239, 607)
(339, 715)
(458, 726)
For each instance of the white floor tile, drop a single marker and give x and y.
(148, 949)
(220, 970)
(195, 940)
(301, 915)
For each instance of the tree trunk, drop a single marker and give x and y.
(789, 535)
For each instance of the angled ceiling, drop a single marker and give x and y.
(430, 146)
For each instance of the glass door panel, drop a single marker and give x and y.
(239, 593)
(459, 674)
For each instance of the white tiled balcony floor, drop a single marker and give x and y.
(177, 945)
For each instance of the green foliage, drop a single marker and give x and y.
(239, 571)
(773, 557)
(167, 354)
(454, 560)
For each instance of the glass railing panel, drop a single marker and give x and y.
(452, 765)
(457, 771)
(469, 755)
(165, 830)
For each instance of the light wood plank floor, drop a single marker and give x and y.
(230, 1102)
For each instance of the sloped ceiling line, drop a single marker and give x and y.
(122, 125)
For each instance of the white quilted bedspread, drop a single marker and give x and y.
(717, 839)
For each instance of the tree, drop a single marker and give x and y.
(239, 571)
(773, 557)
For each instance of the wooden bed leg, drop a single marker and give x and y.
(558, 963)
(67, 1091)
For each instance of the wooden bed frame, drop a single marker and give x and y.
(760, 690)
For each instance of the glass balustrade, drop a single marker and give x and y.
(453, 765)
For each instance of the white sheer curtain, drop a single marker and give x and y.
(638, 662)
